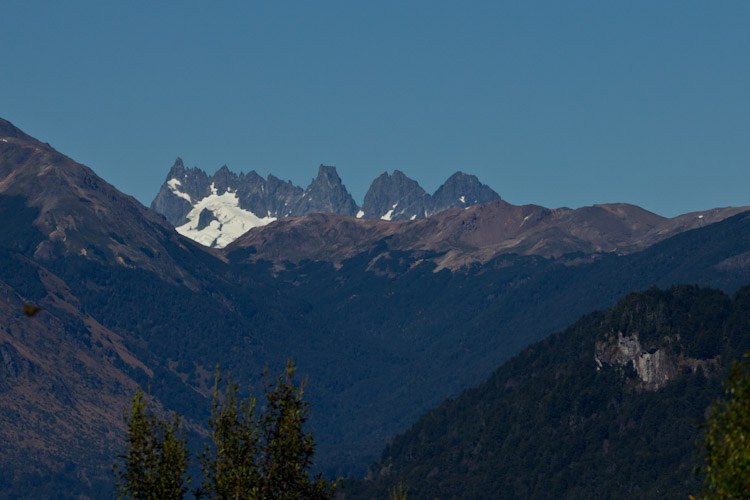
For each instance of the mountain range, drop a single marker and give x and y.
(474, 235)
(464, 221)
(387, 318)
(218, 209)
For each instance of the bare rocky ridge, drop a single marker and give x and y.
(397, 197)
(459, 191)
(461, 237)
(80, 213)
(215, 210)
(464, 221)
(185, 187)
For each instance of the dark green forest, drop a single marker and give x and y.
(549, 424)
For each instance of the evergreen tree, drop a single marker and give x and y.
(250, 456)
(287, 449)
(156, 459)
(727, 439)
(229, 463)
(261, 457)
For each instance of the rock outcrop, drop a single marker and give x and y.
(654, 367)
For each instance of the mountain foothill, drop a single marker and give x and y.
(394, 310)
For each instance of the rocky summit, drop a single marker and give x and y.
(216, 210)
(397, 197)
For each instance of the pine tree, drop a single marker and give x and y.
(156, 458)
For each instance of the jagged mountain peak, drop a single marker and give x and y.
(216, 209)
(256, 201)
(326, 193)
(224, 180)
(177, 169)
(397, 175)
(327, 177)
(395, 197)
(461, 190)
(459, 176)
(328, 172)
(252, 176)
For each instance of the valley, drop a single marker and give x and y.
(386, 318)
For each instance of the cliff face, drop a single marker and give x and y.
(654, 367)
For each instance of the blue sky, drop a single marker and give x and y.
(554, 103)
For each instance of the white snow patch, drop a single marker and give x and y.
(700, 216)
(387, 215)
(413, 217)
(462, 199)
(232, 221)
(5, 140)
(174, 184)
(526, 218)
(360, 214)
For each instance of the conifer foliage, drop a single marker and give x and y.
(252, 455)
(156, 458)
(727, 438)
(287, 451)
(229, 462)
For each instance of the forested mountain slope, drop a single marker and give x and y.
(608, 408)
(383, 334)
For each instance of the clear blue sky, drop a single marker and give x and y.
(556, 103)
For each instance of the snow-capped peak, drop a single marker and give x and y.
(228, 221)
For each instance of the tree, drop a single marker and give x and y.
(287, 449)
(727, 439)
(156, 457)
(229, 463)
(262, 457)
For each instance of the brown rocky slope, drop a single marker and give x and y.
(460, 237)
